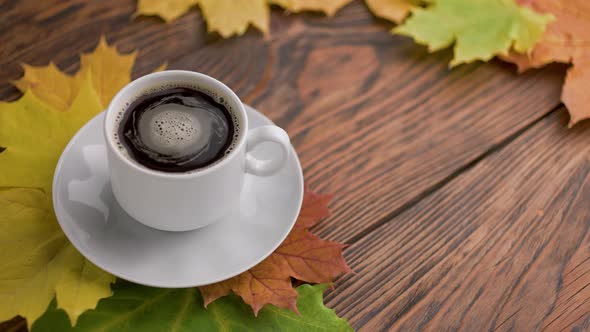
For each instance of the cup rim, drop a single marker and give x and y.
(208, 81)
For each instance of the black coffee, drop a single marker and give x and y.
(176, 130)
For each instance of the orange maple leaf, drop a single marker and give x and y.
(302, 255)
(265, 283)
(566, 40)
(313, 209)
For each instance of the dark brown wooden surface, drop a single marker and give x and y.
(464, 198)
(503, 246)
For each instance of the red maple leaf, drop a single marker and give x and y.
(302, 255)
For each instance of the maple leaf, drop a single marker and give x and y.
(110, 72)
(393, 10)
(232, 17)
(480, 29)
(302, 255)
(313, 209)
(168, 10)
(226, 17)
(37, 262)
(266, 283)
(329, 7)
(50, 85)
(161, 67)
(566, 40)
(141, 308)
(308, 258)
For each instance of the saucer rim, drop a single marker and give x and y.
(88, 255)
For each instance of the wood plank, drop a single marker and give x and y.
(505, 246)
(379, 122)
(374, 118)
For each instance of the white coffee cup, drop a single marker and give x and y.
(190, 200)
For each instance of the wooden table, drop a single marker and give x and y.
(462, 194)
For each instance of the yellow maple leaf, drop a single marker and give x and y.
(393, 10)
(34, 135)
(330, 7)
(50, 84)
(168, 10)
(232, 17)
(110, 72)
(161, 67)
(37, 262)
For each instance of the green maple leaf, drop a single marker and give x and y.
(139, 308)
(480, 29)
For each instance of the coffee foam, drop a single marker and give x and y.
(177, 129)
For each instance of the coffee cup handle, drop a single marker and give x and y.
(262, 135)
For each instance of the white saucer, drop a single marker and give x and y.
(98, 227)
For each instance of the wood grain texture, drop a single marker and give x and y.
(383, 124)
(503, 247)
(380, 122)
